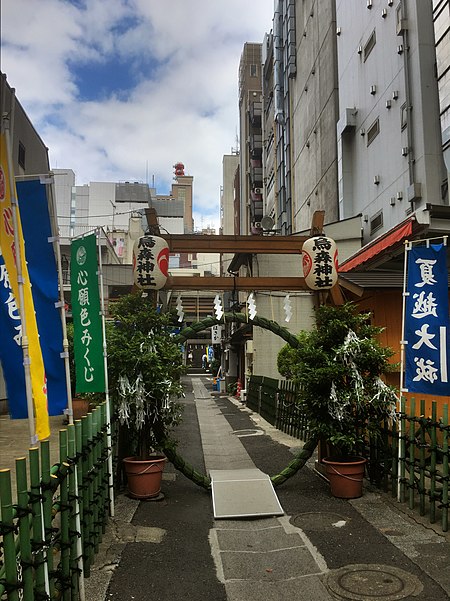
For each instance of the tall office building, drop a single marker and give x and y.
(389, 138)
(279, 57)
(178, 200)
(441, 18)
(251, 173)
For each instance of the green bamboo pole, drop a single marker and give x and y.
(26, 557)
(47, 504)
(96, 473)
(411, 453)
(65, 519)
(445, 435)
(402, 451)
(89, 545)
(422, 463)
(75, 444)
(9, 547)
(396, 458)
(86, 505)
(433, 463)
(105, 475)
(42, 585)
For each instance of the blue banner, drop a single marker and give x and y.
(427, 321)
(11, 355)
(42, 269)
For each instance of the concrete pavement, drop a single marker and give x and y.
(321, 549)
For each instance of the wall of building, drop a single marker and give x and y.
(230, 163)
(441, 17)
(383, 148)
(64, 184)
(315, 111)
(266, 345)
(29, 153)
(250, 88)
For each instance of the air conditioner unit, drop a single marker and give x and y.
(384, 13)
(405, 151)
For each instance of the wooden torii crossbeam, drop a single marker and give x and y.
(277, 245)
(274, 245)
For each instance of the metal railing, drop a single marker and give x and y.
(50, 536)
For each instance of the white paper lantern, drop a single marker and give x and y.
(320, 262)
(150, 262)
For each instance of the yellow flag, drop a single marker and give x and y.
(7, 244)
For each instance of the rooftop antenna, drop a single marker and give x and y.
(235, 149)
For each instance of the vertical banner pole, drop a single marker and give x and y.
(105, 358)
(402, 369)
(25, 343)
(57, 247)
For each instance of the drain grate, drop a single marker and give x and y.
(362, 582)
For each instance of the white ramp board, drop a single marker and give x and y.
(243, 493)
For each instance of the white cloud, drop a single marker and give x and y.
(183, 106)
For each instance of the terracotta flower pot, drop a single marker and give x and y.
(144, 476)
(345, 476)
(80, 407)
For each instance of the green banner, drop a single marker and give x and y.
(87, 322)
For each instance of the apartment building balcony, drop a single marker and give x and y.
(256, 210)
(256, 176)
(255, 142)
(255, 113)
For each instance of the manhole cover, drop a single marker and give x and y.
(319, 521)
(249, 432)
(362, 582)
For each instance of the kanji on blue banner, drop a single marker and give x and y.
(36, 226)
(427, 321)
(11, 355)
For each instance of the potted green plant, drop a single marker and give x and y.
(144, 369)
(338, 368)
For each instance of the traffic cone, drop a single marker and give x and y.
(238, 389)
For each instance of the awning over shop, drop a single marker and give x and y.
(375, 248)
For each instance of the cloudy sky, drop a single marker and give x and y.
(121, 90)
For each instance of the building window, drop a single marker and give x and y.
(369, 45)
(373, 132)
(253, 71)
(404, 115)
(376, 222)
(21, 157)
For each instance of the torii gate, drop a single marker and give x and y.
(192, 243)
